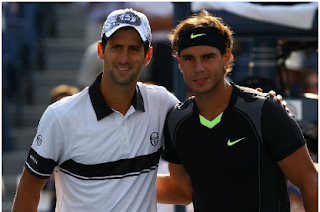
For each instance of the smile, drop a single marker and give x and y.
(122, 69)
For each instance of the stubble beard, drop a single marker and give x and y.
(124, 81)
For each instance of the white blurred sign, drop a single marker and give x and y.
(295, 107)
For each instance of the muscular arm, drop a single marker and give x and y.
(28, 193)
(300, 170)
(174, 188)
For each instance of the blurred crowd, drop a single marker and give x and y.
(25, 26)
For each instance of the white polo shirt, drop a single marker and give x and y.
(102, 160)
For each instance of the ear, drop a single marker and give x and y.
(148, 57)
(179, 59)
(179, 62)
(100, 51)
(227, 57)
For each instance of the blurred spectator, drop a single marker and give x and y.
(24, 28)
(310, 84)
(3, 188)
(298, 74)
(31, 31)
(11, 64)
(61, 91)
(6, 129)
(242, 51)
(292, 74)
(46, 27)
(90, 66)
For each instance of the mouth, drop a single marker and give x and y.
(123, 69)
(200, 80)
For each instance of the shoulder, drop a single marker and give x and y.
(151, 87)
(185, 106)
(177, 115)
(250, 94)
(273, 109)
(269, 103)
(157, 92)
(181, 110)
(70, 104)
(257, 104)
(247, 99)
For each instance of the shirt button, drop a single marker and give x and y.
(124, 139)
(123, 123)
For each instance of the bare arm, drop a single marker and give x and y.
(161, 23)
(301, 171)
(158, 23)
(28, 193)
(174, 188)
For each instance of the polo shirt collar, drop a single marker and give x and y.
(100, 106)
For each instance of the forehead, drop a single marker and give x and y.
(199, 50)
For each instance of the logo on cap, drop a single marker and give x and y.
(128, 18)
(125, 18)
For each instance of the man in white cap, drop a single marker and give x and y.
(103, 144)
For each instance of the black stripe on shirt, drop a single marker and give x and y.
(38, 166)
(112, 170)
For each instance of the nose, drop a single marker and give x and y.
(124, 56)
(198, 65)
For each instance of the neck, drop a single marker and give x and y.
(118, 97)
(210, 105)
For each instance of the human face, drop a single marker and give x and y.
(202, 68)
(123, 57)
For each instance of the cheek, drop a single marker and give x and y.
(136, 57)
(186, 66)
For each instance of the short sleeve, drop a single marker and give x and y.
(281, 133)
(170, 153)
(46, 147)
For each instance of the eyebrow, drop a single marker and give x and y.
(130, 46)
(203, 55)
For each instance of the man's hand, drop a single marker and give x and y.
(278, 97)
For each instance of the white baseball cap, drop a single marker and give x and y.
(124, 18)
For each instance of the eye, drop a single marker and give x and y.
(209, 56)
(135, 48)
(188, 58)
(116, 47)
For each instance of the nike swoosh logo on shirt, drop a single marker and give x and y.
(231, 143)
